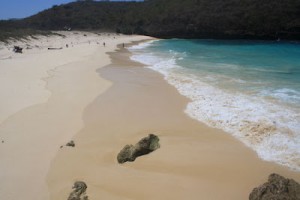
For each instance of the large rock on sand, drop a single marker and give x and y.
(143, 147)
(78, 193)
(277, 188)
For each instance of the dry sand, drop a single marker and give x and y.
(43, 96)
(194, 161)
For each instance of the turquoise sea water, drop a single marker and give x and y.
(250, 89)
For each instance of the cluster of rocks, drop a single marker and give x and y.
(277, 188)
(144, 146)
(128, 153)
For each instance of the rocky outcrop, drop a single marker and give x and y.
(143, 147)
(78, 193)
(277, 188)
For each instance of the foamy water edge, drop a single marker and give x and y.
(271, 132)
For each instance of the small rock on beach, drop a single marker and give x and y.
(71, 144)
(78, 192)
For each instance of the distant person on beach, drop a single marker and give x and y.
(123, 45)
(104, 44)
(67, 45)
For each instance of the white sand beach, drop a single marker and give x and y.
(104, 101)
(43, 95)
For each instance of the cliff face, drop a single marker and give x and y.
(230, 19)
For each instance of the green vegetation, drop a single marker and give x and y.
(10, 31)
(5, 35)
(231, 19)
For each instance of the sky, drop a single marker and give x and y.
(24, 8)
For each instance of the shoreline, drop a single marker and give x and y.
(257, 110)
(194, 160)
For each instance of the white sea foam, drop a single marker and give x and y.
(271, 71)
(141, 45)
(283, 95)
(272, 130)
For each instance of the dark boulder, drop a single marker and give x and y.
(71, 144)
(126, 154)
(78, 192)
(18, 49)
(143, 147)
(277, 188)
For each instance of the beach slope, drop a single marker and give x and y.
(194, 161)
(43, 95)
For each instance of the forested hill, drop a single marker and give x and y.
(235, 19)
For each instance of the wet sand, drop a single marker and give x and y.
(194, 161)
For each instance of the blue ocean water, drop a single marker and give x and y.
(250, 89)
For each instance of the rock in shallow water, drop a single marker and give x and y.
(78, 193)
(143, 147)
(277, 188)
